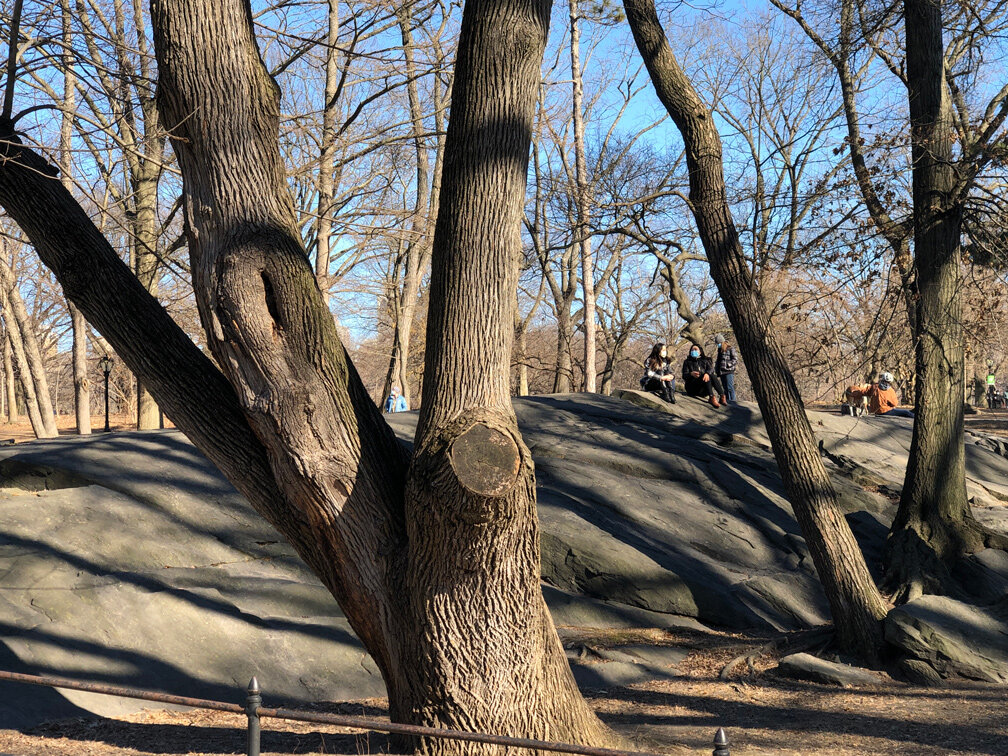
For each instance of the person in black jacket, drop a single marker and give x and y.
(698, 376)
(724, 367)
(658, 375)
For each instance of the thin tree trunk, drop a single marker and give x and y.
(27, 353)
(934, 523)
(327, 157)
(582, 200)
(9, 385)
(146, 264)
(857, 607)
(520, 356)
(564, 374)
(82, 383)
(24, 375)
(418, 245)
(144, 158)
(82, 392)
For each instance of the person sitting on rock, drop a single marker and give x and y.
(881, 397)
(699, 379)
(658, 376)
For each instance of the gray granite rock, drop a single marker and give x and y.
(126, 557)
(807, 667)
(955, 639)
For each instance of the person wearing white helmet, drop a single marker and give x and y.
(881, 396)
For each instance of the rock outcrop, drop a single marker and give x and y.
(126, 557)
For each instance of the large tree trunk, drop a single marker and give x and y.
(413, 574)
(472, 482)
(856, 605)
(582, 200)
(386, 557)
(933, 524)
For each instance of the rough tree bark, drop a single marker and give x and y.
(856, 605)
(471, 481)
(934, 524)
(292, 426)
(411, 571)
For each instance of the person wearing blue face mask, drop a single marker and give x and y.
(699, 379)
(658, 374)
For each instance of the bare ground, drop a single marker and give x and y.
(762, 713)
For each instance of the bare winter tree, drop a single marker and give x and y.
(416, 550)
(934, 525)
(856, 604)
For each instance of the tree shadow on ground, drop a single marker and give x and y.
(792, 721)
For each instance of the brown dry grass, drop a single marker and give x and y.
(762, 712)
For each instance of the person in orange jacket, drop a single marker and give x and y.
(882, 399)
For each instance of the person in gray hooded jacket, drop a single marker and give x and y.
(725, 365)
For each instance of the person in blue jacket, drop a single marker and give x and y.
(396, 402)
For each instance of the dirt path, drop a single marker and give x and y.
(763, 714)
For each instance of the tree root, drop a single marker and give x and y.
(790, 643)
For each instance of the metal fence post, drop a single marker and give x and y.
(721, 743)
(252, 702)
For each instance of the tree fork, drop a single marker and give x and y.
(190, 388)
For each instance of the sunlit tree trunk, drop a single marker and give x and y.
(327, 156)
(582, 199)
(78, 327)
(856, 605)
(933, 524)
(9, 386)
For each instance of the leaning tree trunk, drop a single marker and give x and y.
(856, 605)
(31, 367)
(934, 523)
(16, 343)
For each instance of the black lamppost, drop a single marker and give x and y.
(106, 366)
